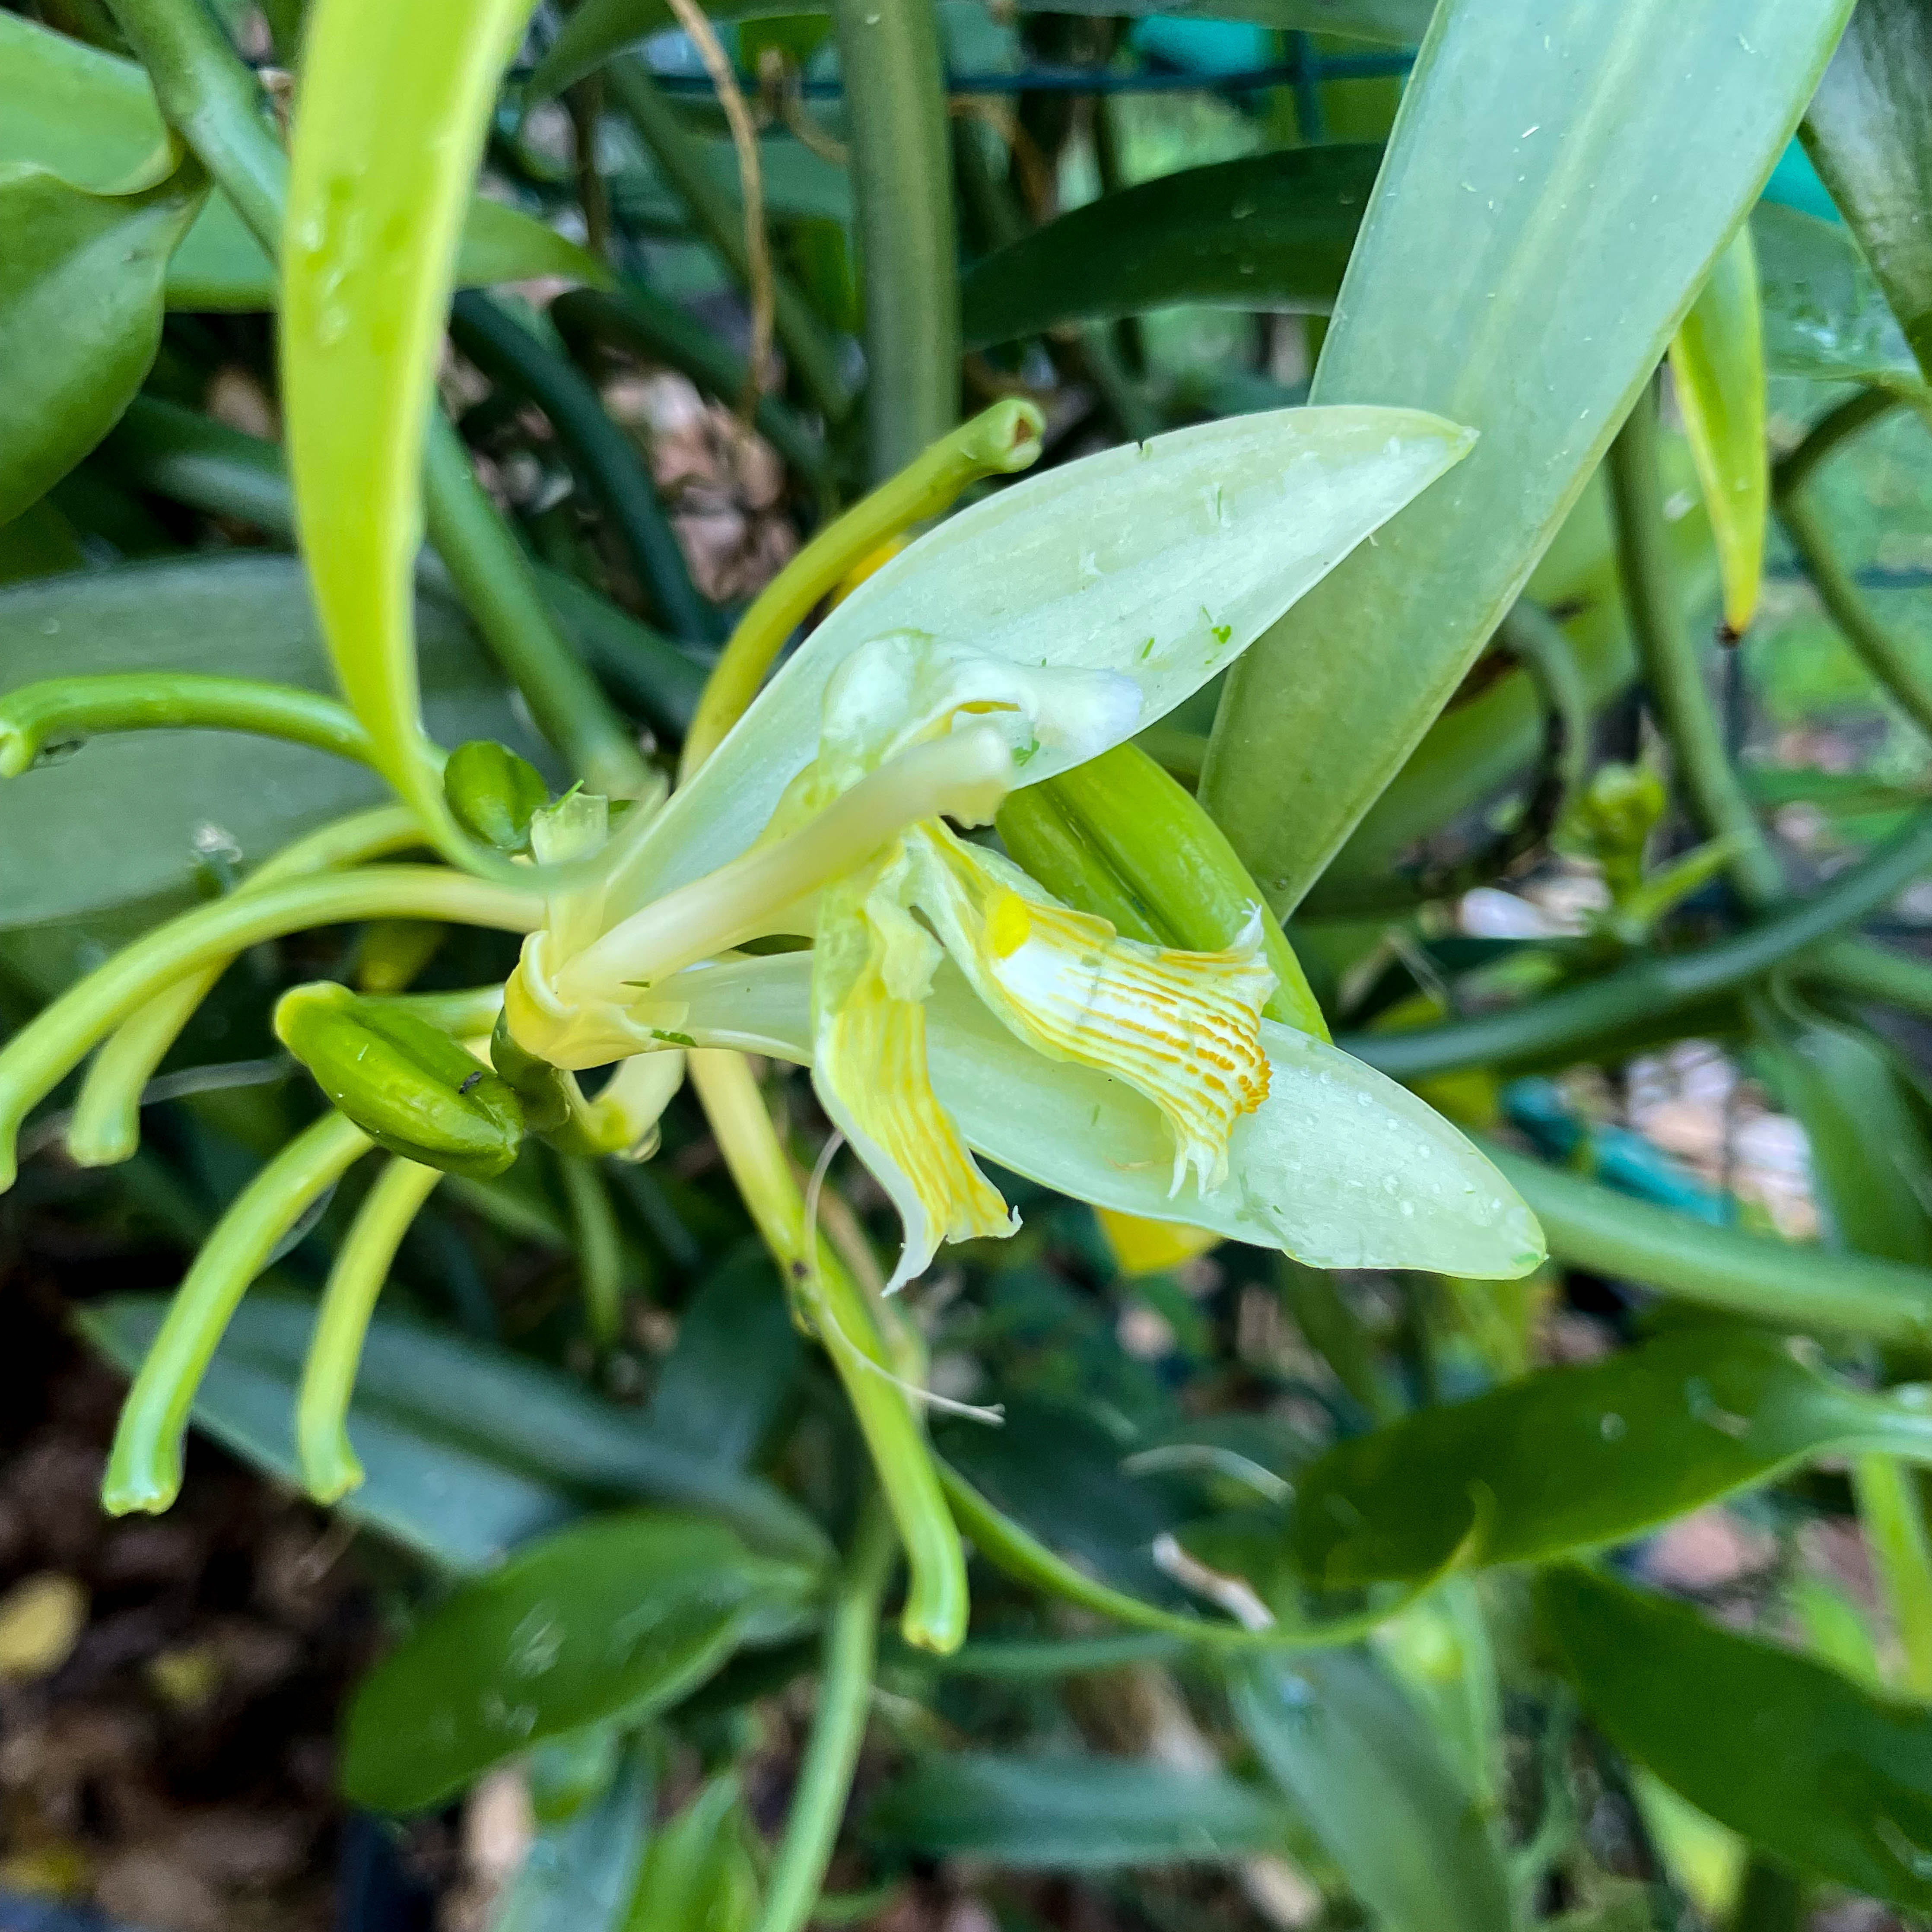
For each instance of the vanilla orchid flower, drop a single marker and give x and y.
(950, 1006)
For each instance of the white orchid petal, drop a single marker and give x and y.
(1161, 561)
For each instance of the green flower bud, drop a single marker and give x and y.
(493, 794)
(409, 1088)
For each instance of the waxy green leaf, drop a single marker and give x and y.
(1359, 1763)
(1824, 315)
(1869, 129)
(1069, 1813)
(1802, 1760)
(81, 278)
(580, 1873)
(1570, 1458)
(616, 1618)
(698, 1876)
(1560, 182)
(1266, 232)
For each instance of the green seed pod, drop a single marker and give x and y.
(493, 794)
(409, 1088)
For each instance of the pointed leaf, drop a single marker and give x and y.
(1798, 1758)
(1355, 1756)
(1556, 187)
(1267, 231)
(1569, 1458)
(1824, 315)
(614, 1619)
(1161, 561)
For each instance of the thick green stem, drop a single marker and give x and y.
(718, 217)
(144, 1467)
(644, 323)
(329, 1465)
(54, 1042)
(847, 1657)
(996, 442)
(598, 1246)
(1566, 1026)
(937, 1602)
(902, 176)
(212, 99)
(607, 460)
(1805, 1289)
(1672, 668)
(107, 1124)
(60, 708)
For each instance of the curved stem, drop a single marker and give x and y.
(1670, 659)
(936, 1607)
(1026, 1559)
(602, 454)
(901, 161)
(715, 212)
(144, 1467)
(58, 707)
(106, 1125)
(1851, 417)
(1801, 1289)
(997, 441)
(34, 1060)
(208, 95)
(1869, 972)
(644, 323)
(1566, 1025)
(329, 1466)
(847, 1657)
(597, 1247)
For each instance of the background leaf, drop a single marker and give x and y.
(1805, 1762)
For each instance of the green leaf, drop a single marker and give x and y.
(1267, 231)
(1717, 360)
(1824, 316)
(1069, 1813)
(1869, 129)
(80, 314)
(1360, 1766)
(140, 814)
(67, 106)
(613, 1620)
(456, 1510)
(579, 1876)
(521, 1415)
(221, 266)
(1556, 187)
(1798, 1759)
(699, 1876)
(1568, 1459)
(599, 29)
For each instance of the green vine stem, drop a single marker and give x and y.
(1894, 668)
(1565, 1026)
(56, 1040)
(191, 459)
(901, 162)
(612, 469)
(1894, 1523)
(848, 1655)
(58, 709)
(1022, 1556)
(144, 1467)
(642, 322)
(1801, 1289)
(997, 442)
(212, 99)
(329, 1466)
(1672, 670)
(715, 212)
(937, 1602)
(597, 1246)
(106, 1125)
